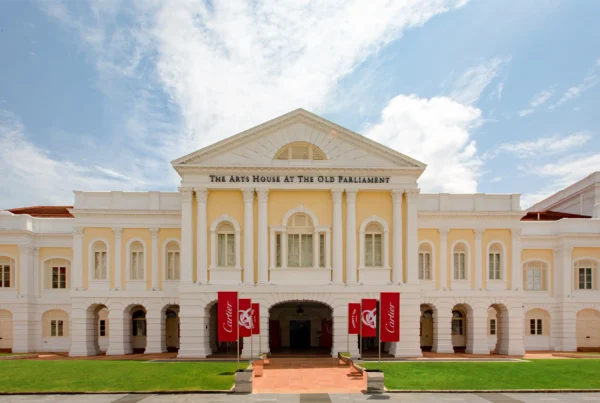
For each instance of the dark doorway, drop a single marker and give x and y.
(299, 334)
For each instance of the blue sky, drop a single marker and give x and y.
(495, 96)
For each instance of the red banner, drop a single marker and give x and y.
(245, 317)
(369, 317)
(354, 318)
(389, 303)
(255, 318)
(227, 308)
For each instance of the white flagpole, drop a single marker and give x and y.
(237, 319)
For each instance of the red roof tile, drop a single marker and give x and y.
(550, 216)
(44, 211)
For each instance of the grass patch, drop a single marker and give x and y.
(113, 376)
(537, 374)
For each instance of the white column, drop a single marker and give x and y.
(510, 323)
(187, 238)
(25, 270)
(442, 330)
(263, 241)
(412, 251)
(351, 236)
(397, 234)
(201, 236)
(37, 272)
(477, 337)
(338, 246)
(248, 235)
(77, 266)
(118, 234)
(517, 269)
(119, 332)
(478, 260)
(154, 251)
(156, 331)
(444, 258)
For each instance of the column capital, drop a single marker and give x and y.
(77, 231)
(516, 232)
(397, 195)
(263, 194)
(248, 194)
(26, 248)
(351, 195)
(444, 231)
(336, 195)
(478, 233)
(411, 195)
(154, 231)
(118, 232)
(201, 194)
(187, 194)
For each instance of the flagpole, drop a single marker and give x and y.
(360, 333)
(237, 317)
(379, 338)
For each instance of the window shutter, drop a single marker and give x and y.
(378, 252)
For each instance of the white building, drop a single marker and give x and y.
(302, 216)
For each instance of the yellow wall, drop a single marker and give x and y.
(129, 234)
(502, 236)
(374, 203)
(468, 237)
(163, 235)
(586, 252)
(230, 202)
(45, 253)
(280, 202)
(13, 252)
(106, 234)
(433, 236)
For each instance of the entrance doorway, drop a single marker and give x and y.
(300, 328)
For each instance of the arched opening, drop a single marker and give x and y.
(55, 330)
(301, 328)
(98, 328)
(426, 327)
(172, 328)
(498, 322)
(6, 331)
(459, 328)
(215, 347)
(588, 330)
(537, 330)
(138, 329)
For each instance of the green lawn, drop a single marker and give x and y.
(537, 374)
(114, 376)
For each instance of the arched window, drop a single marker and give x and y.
(300, 151)
(458, 323)
(374, 245)
(100, 271)
(428, 313)
(586, 275)
(172, 271)
(535, 276)
(425, 261)
(56, 274)
(495, 262)
(137, 263)
(460, 261)
(6, 272)
(138, 325)
(55, 323)
(300, 241)
(226, 244)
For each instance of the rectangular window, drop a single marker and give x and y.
(425, 266)
(137, 265)
(4, 275)
(457, 327)
(585, 278)
(139, 327)
(59, 277)
(173, 265)
(56, 328)
(102, 326)
(460, 271)
(321, 250)
(373, 250)
(226, 244)
(492, 327)
(534, 279)
(100, 265)
(300, 250)
(535, 327)
(278, 250)
(494, 266)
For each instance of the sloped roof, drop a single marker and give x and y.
(44, 211)
(550, 216)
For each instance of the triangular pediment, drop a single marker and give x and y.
(258, 146)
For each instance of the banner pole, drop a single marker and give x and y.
(379, 338)
(237, 317)
(360, 333)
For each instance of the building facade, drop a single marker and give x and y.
(303, 217)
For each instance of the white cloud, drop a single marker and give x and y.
(538, 100)
(576, 91)
(435, 131)
(543, 146)
(468, 87)
(33, 176)
(496, 179)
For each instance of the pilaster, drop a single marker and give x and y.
(442, 331)
(478, 260)
(517, 268)
(154, 251)
(338, 247)
(156, 332)
(444, 258)
(201, 236)
(263, 242)
(119, 333)
(248, 235)
(77, 264)
(397, 195)
(118, 281)
(477, 338)
(351, 236)
(412, 252)
(187, 236)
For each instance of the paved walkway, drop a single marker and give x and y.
(317, 398)
(303, 375)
